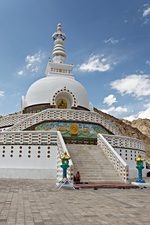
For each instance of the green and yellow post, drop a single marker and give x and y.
(140, 167)
(65, 164)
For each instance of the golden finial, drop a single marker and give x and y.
(65, 156)
(139, 158)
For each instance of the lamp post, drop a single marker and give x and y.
(65, 164)
(140, 167)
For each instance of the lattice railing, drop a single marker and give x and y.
(28, 138)
(61, 150)
(124, 142)
(119, 164)
(65, 115)
(10, 120)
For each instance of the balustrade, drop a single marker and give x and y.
(119, 164)
(118, 141)
(65, 115)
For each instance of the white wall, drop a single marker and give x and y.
(129, 156)
(28, 161)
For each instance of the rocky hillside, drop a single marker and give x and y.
(142, 125)
(136, 130)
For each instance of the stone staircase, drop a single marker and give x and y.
(92, 164)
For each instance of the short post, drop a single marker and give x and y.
(65, 164)
(140, 167)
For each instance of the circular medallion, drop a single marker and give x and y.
(74, 129)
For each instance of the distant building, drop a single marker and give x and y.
(57, 117)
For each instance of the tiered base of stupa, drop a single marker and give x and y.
(31, 145)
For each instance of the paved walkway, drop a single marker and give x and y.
(38, 202)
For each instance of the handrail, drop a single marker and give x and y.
(61, 150)
(119, 164)
(112, 150)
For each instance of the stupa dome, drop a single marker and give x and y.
(58, 89)
(51, 90)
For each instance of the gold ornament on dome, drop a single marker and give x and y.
(62, 104)
(74, 128)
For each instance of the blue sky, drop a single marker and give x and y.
(107, 41)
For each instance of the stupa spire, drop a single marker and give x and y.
(59, 54)
(57, 66)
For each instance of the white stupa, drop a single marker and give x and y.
(56, 119)
(58, 89)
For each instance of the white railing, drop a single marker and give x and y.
(28, 138)
(61, 150)
(65, 115)
(119, 164)
(9, 120)
(124, 142)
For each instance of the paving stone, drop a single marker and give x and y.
(39, 202)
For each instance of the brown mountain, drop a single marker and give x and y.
(142, 125)
(137, 129)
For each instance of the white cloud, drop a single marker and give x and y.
(111, 40)
(109, 100)
(20, 73)
(134, 84)
(97, 63)
(146, 12)
(144, 114)
(32, 63)
(2, 93)
(148, 62)
(115, 110)
(130, 118)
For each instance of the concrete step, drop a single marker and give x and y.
(92, 164)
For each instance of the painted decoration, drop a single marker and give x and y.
(69, 129)
(74, 128)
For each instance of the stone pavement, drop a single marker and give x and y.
(38, 202)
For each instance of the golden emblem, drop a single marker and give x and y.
(74, 129)
(62, 104)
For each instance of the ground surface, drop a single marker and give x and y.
(39, 202)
